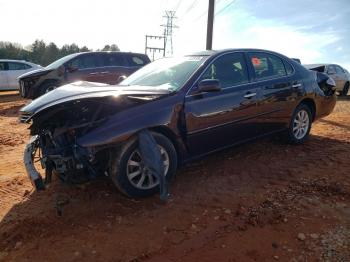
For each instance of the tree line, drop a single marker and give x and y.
(43, 54)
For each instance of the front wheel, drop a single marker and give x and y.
(129, 174)
(300, 125)
(47, 87)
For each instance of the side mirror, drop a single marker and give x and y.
(209, 85)
(121, 78)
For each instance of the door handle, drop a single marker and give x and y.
(94, 73)
(249, 95)
(296, 85)
(105, 72)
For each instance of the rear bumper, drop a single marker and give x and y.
(326, 105)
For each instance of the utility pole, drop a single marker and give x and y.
(210, 24)
(168, 31)
(154, 49)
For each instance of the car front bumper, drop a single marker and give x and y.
(33, 174)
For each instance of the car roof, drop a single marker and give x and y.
(217, 52)
(108, 52)
(13, 60)
(314, 65)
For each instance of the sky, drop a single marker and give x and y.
(314, 31)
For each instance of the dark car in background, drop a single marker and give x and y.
(340, 75)
(193, 105)
(102, 67)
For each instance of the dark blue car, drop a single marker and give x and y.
(193, 105)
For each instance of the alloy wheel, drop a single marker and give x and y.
(139, 175)
(301, 124)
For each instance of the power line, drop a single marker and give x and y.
(178, 4)
(218, 12)
(227, 6)
(190, 7)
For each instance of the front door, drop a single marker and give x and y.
(85, 67)
(216, 120)
(3, 76)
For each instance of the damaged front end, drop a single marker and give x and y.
(55, 132)
(54, 141)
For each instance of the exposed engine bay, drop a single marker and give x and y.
(54, 139)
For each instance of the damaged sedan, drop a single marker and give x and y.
(192, 105)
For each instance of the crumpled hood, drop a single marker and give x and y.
(84, 90)
(34, 73)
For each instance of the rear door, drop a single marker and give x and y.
(85, 67)
(3, 76)
(114, 66)
(219, 119)
(278, 86)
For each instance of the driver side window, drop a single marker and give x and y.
(230, 70)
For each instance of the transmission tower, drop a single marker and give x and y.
(168, 31)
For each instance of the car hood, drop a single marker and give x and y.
(85, 90)
(34, 73)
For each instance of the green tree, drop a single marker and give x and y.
(113, 47)
(41, 53)
(51, 54)
(38, 50)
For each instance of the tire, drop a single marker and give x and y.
(345, 90)
(47, 87)
(303, 115)
(120, 169)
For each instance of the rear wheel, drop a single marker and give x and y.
(345, 90)
(300, 125)
(130, 175)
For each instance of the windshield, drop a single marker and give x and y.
(167, 73)
(60, 61)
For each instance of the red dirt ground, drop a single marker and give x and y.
(263, 201)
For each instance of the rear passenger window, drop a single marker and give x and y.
(135, 60)
(339, 70)
(113, 60)
(229, 69)
(289, 68)
(267, 65)
(16, 66)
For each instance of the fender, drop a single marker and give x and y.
(123, 125)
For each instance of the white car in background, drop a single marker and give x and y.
(10, 70)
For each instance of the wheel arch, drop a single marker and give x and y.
(168, 133)
(50, 80)
(311, 104)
